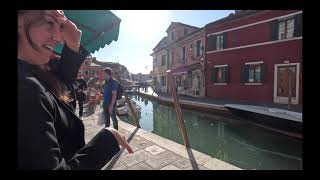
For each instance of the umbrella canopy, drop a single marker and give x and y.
(99, 27)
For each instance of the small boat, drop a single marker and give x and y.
(281, 119)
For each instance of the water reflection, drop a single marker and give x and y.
(232, 141)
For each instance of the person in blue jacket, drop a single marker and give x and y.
(110, 98)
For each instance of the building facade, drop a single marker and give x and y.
(182, 52)
(159, 72)
(88, 70)
(255, 55)
(186, 58)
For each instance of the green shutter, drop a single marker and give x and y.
(298, 25)
(274, 30)
(244, 73)
(225, 40)
(211, 41)
(263, 72)
(213, 74)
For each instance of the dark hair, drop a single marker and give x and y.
(46, 77)
(108, 71)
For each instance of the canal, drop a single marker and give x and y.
(235, 142)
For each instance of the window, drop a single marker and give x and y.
(220, 74)
(86, 62)
(172, 57)
(211, 43)
(198, 48)
(154, 63)
(219, 42)
(183, 53)
(172, 35)
(286, 28)
(80, 72)
(163, 80)
(185, 31)
(163, 60)
(253, 72)
(86, 72)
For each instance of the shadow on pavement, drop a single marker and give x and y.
(117, 156)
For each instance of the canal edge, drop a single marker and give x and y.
(199, 157)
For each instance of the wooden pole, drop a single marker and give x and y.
(131, 108)
(136, 120)
(178, 109)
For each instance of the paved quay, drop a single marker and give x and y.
(152, 152)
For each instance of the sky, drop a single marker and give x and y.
(141, 30)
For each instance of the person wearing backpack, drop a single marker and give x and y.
(110, 98)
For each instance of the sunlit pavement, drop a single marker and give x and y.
(152, 152)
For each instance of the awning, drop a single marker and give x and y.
(185, 68)
(99, 27)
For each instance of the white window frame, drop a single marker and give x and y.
(284, 100)
(254, 83)
(285, 27)
(86, 73)
(219, 43)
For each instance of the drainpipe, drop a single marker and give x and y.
(205, 62)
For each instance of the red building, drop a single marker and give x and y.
(89, 70)
(252, 54)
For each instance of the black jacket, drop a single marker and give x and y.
(50, 135)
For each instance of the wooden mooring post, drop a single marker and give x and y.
(178, 109)
(131, 108)
(136, 120)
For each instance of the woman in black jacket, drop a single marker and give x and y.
(50, 135)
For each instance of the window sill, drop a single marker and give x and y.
(220, 83)
(253, 84)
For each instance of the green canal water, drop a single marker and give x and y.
(232, 141)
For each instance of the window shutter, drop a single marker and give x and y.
(274, 30)
(227, 74)
(263, 72)
(211, 40)
(298, 25)
(213, 75)
(244, 73)
(225, 40)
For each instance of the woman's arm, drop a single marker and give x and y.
(38, 146)
(69, 64)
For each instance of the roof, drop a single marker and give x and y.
(179, 40)
(179, 23)
(232, 17)
(94, 64)
(164, 39)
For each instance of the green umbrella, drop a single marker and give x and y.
(99, 27)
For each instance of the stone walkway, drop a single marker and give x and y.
(221, 102)
(152, 152)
